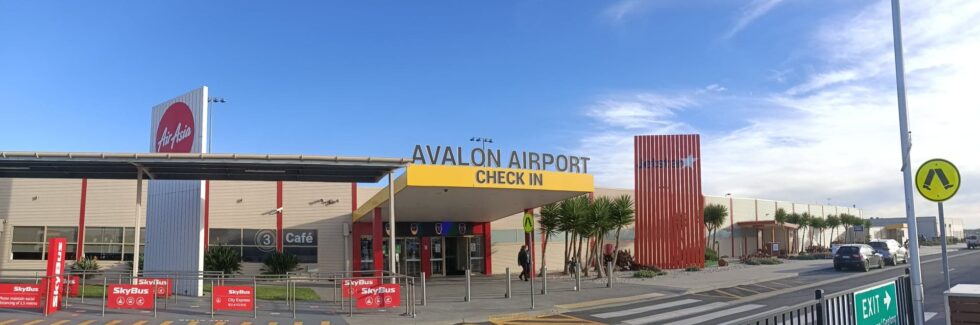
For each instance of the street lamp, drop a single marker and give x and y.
(484, 141)
(214, 100)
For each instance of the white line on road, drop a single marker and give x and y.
(627, 312)
(675, 314)
(929, 315)
(723, 313)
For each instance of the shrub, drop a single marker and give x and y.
(647, 273)
(762, 261)
(86, 266)
(710, 255)
(223, 259)
(280, 263)
(692, 269)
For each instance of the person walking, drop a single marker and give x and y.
(525, 261)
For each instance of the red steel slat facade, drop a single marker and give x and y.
(669, 205)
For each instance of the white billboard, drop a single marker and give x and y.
(175, 209)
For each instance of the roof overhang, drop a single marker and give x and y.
(435, 193)
(765, 223)
(197, 166)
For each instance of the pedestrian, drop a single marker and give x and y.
(525, 262)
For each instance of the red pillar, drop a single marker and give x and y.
(426, 255)
(376, 239)
(487, 252)
(80, 239)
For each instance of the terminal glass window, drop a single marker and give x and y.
(112, 243)
(252, 244)
(302, 243)
(30, 243)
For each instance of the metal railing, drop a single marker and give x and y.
(834, 309)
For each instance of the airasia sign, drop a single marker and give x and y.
(175, 132)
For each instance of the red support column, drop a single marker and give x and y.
(376, 240)
(529, 242)
(279, 216)
(487, 252)
(80, 238)
(426, 257)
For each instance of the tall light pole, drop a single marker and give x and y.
(212, 100)
(484, 141)
(903, 126)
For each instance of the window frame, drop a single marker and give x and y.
(71, 243)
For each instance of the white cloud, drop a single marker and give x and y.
(619, 11)
(834, 134)
(750, 13)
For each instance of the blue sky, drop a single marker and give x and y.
(802, 85)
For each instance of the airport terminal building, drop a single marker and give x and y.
(455, 208)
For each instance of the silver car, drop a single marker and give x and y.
(891, 251)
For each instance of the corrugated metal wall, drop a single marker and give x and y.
(669, 207)
(175, 230)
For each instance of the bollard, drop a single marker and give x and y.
(212, 298)
(544, 280)
(578, 278)
(423, 289)
(335, 288)
(294, 299)
(104, 300)
(467, 297)
(818, 295)
(47, 295)
(408, 296)
(507, 294)
(351, 288)
(176, 285)
(413, 297)
(81, 291)
(531, 279)
(609, 275)
(155, 301)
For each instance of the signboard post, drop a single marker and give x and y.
(56, 267)
(876, 305)
(529, 229)
(938, 180)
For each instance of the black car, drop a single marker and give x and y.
(858, 256)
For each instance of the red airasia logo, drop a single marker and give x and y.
(175, 133)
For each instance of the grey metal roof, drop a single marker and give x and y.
(191, 166)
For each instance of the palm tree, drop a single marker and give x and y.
(714, 218)
(793, 218)
(867, 229)
(622, 215)
(805, 219)
(548, 224)
(780, 217)
(576, 211)
(594, 227)
(571, 210)
(833, 222)
(817, 224)
(846, 220)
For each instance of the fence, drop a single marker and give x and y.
(838, 308)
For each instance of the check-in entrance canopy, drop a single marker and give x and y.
(444, 214)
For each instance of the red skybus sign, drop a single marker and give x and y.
(162, 285)
(56, 267)
(74, 283)
(20, 295)
(357, 284)
(380, 296)
(128, 296)
(233, 298)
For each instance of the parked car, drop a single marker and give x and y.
(891, 251)
(972, 242)
(860, 256)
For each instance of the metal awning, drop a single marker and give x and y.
(197, 166)
(765, 223)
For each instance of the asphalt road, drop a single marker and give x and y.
(724, 305)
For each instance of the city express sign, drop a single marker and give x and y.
(496, 178)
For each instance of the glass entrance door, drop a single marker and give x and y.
(410, 255)
(436, 256)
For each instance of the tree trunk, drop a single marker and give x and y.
(578, 255)
(600, 257)
(544, 254)
(616, 249)
(564, 268)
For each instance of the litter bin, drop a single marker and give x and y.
(963, 304)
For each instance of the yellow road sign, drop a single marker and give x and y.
(528, 223)
(937, 180)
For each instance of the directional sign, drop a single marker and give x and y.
(877, 305)
(528, 223)
(937, 180)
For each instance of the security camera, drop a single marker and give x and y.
(279, 209)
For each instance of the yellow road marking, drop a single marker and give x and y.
(114, 322)
(86, 322)
(244, 323)
(9, 321)
(193, 322)
(326, 322)
(220, 322)
(166, 323)
(297, 323)
(60, 322)
(745, 289)
(546, 319)
(273, 323)
(140, 322)
(33, 322)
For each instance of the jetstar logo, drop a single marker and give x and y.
(175, 131)
(686, 162)
(378, 290)
(130, 291)
(26, 289)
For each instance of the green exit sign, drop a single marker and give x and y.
(877, 305)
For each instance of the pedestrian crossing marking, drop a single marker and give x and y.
(33, 322)
(140, 322)
(627, 312)
(717, 314)
(675, 314)
(9, 321)
(60, 322)
(548, 319)
(297, 323)
(92, 321)
(115, 322)
(164, 323)
(246, 323)
(193, 322)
